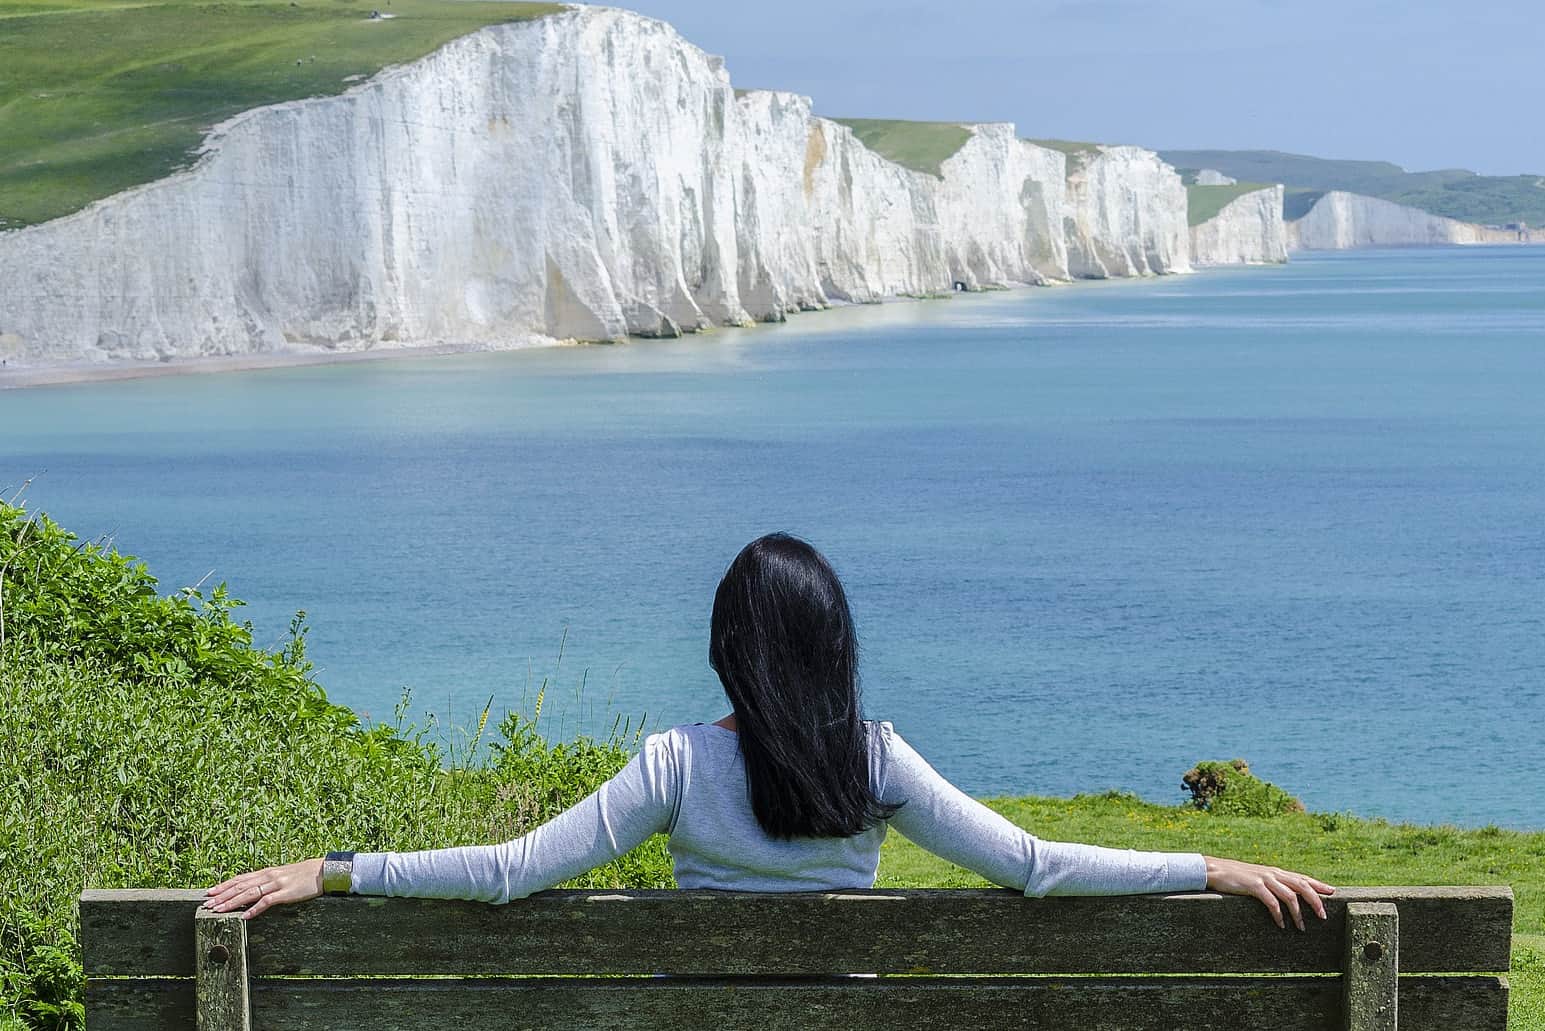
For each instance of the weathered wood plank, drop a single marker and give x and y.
(1371, 979)
(1472, 1003)
(220, 944)
(140, 1004)
(695, 932)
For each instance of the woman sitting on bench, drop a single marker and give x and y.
(793, 791)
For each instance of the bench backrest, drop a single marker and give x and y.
(954, 959)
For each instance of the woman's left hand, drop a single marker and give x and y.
(270, 886)
(1277, 889)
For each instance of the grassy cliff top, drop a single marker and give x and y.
(1072, 148)
(101, 95)
(921, 146)
(1204, 202)
(1454, 192)
(1078, 152)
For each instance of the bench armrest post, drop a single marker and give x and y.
(220, 961)
(1371, 976)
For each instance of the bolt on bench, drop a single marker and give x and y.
(1426, 957)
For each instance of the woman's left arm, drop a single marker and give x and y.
(638, 802)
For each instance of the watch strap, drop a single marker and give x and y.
(337, 873)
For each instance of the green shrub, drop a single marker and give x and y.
(145, 741)
(1231, 789)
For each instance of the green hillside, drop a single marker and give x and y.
(101, 95)
(1455, 192)
(921, 146)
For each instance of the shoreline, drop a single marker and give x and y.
(25, 377)
(74, 374)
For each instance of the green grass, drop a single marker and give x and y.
(1204, 202)
(1454, 192)
(1337, 848)
(96, 97)
(144, 741)
(921, 146)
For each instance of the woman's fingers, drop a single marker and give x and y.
(270, 886)
(241, 893)
(1289, 896)
(261, 904)
(1305, 886)
(1273, 906)
(241, 880)
(1275, 888)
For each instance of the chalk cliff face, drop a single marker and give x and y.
(821, 218)
(1247, 231)
(585, 176)
(1126, 215)
(1340, 220)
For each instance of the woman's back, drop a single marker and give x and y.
(716, 841)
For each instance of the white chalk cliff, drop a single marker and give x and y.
(1248, 230)
(589, 175)
(1340, 220)
(1125, 215)
(1213, 177)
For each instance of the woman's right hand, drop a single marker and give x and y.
(1275, 888)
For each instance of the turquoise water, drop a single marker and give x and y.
(1091, 534)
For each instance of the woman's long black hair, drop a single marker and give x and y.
(783, 645)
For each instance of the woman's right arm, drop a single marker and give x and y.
(639, 801)
(949, 823)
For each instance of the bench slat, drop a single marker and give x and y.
(149, 933)
(1475, 1003)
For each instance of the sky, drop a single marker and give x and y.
(1423, 83)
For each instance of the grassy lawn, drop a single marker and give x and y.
(1337, 849)
(921, 146)
(99, 96)
(1203, 202)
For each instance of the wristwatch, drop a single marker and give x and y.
(337, 873)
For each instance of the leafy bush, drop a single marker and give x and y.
(1231, 789)
(144, 741)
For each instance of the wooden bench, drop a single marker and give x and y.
(949, 959)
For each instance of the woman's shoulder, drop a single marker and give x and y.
(685, 737)
(882, 731)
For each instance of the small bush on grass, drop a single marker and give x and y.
(1231, 789)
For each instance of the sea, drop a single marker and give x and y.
(1091, 534)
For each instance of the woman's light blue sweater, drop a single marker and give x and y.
(689, 782)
